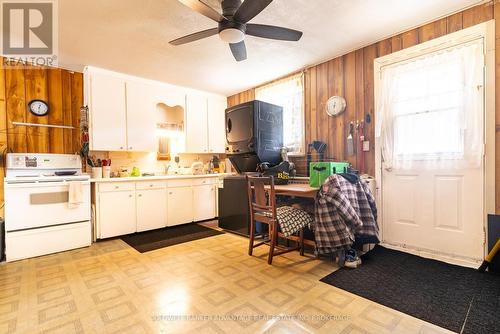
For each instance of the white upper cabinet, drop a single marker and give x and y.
(108, 120)
(205, 124)
(216, 124)
(124, 112)
(171, 96)
(141, 117)
(196, 124)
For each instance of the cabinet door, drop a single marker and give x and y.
(141, 121)
(108, 113)
(196, 124)
(151, 209)
(204, 202)
(216, 124)
(171, 96)
(116, 213)
(180, 206)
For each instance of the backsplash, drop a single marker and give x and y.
(147, 162)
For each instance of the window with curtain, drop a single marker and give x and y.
(288, 93)
(431, 109)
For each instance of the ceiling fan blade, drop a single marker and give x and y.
(203, 9)
(194, 37)
(273, 32)
(249, 9)
(239, 51)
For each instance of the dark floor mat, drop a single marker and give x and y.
(156, 239)
(430, 290)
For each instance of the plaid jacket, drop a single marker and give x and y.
(343, 210)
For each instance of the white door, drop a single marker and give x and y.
(141, 117)
(433, 169)
(204, 202)
(117, 213)
(216, 124)
(151, 209)
(180, 206)
(108, 124)
(196, 124)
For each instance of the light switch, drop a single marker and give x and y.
(366, 146)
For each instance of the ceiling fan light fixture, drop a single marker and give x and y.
(232, 35)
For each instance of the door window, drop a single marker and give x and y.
(431, 109)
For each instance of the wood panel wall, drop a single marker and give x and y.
(62, 89)
(351, 76)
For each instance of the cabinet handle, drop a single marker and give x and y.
(170, 193)
(121, 147)
(129, 195)
(117, 187)
(130, 148)
(151, 185)
(140, 195)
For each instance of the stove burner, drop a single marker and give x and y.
(65, 173)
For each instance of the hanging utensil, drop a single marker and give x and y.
(350, 139)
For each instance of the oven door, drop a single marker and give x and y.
(32, 205)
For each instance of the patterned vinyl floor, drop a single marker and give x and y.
(205, 286)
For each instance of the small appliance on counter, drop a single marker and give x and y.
(197, 168)
(47, 205)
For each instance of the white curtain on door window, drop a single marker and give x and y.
(288, 93)
(431, 110)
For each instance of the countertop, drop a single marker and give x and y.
(157, 177)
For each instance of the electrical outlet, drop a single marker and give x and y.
(366, 146)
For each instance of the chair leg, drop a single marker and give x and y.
(252, 236)
(301, 246)
(274, 235)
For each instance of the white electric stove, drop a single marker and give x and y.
(39, 219)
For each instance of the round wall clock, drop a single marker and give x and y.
(38, 107)
(335, 105)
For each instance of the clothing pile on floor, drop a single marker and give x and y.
(345, 218)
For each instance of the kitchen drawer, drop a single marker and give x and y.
(150, 185)
(204, 181)
(116, 186)
(179, 183)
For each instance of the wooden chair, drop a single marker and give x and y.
(262, 205)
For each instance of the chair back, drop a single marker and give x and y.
(261, 198)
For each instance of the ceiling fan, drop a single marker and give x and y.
(233, 25)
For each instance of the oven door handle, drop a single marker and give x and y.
(43, 184)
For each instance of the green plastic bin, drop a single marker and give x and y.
(320, 171)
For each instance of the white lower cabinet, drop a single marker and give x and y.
(204, 199)
(151, 209)
(129, 207)
(180, 204)
(117, 213)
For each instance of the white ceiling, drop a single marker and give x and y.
(131, 36)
